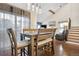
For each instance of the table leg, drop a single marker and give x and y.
(32, 45)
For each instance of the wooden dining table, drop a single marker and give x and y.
(32, 35)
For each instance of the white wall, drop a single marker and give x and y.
(70, 10)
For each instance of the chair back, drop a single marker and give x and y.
(45, 34)
(73, 34)
(43, 38)
(12, 37)
(29, 30)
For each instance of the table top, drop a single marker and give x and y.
(35, 32)
(30, 33)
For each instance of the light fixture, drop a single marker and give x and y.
(28, 6)
(37, 8)
(33, 7)
(40, 10)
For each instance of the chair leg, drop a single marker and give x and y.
(36, 51)
(52, 48)
(12, 51)
(16, 52)
(43, 50)
(21, 51)
(24, 51)
(29, 51)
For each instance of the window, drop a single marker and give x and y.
(1, 21)
(63, 25)
(1, 15)
(25, 22)
(9, 20)
(22, 22)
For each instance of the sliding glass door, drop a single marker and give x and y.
(21, 22)
(17, 23)
(7, 20)
(1, 33)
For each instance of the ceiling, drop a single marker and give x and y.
(45, 10)
(45, 14)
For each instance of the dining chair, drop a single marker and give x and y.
(16, 46)
(44, 41)
(29, 30)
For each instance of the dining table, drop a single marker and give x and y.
(32, 35)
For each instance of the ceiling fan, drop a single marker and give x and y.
(52, 11)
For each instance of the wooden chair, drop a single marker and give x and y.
(44, 40)
(72, 42)
(29, 30)
(15, 46)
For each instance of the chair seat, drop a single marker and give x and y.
(22, 44)
(44, 41)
